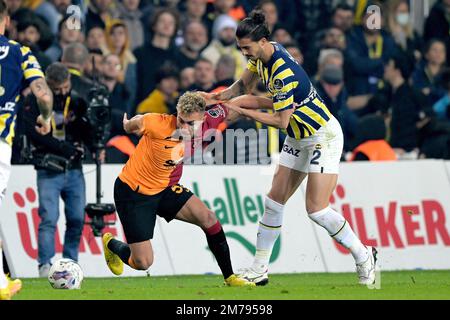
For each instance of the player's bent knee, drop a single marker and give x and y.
(142, 263)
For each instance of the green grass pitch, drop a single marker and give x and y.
(312, 286)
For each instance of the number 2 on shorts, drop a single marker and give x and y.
(316, 156)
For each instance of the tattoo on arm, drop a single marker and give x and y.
(43, 96)
(235, 90)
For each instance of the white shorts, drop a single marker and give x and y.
(319, 153)
(5, 167)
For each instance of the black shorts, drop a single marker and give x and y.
(137, 212)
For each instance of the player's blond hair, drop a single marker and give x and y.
(191, 102)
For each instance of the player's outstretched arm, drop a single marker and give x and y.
(252, 102)
(242, 86)
(277, 119)
(134, 125)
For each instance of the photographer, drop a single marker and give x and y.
(58, 161)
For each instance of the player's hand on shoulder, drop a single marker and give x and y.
(210, 98)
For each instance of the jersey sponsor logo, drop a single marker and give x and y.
(172, 163)
(217, 112)
(4, 50)
(278, 84)
(292, 151)
(280, 96)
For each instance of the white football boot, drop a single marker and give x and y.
(366, 270)
(260, 279)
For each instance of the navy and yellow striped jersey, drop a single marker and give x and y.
(18, 68)
(290, 87)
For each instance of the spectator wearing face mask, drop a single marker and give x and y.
(368, 50)
(331, 88)
(401, 28)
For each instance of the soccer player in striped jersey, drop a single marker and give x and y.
(18, 66)
(313, 147)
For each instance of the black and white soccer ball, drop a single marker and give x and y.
(65, 274)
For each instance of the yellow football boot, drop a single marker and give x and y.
(112, 260)
(13, 288)
(235, 281)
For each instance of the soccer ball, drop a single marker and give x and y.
(65, 274)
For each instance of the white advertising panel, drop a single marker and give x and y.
(401, 208)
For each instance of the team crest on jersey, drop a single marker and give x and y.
(217, 112)
(278, 84)
(4, 50)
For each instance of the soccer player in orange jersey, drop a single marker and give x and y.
(148, 186)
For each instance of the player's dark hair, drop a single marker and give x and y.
(3, 9)
(57, 72)
(253, 27)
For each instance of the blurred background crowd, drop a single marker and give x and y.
(389, 88)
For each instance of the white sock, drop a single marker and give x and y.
(268, 231)
(3, 280)
(339, 229)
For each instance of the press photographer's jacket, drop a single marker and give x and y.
(70, 132)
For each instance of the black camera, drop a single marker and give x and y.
(96, 212)
(51, 162)
(99, 114)
(99, 117)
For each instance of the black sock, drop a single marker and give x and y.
(121, 249)
(219, 247)
(5, 263)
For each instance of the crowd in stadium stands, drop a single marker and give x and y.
(389, 88)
